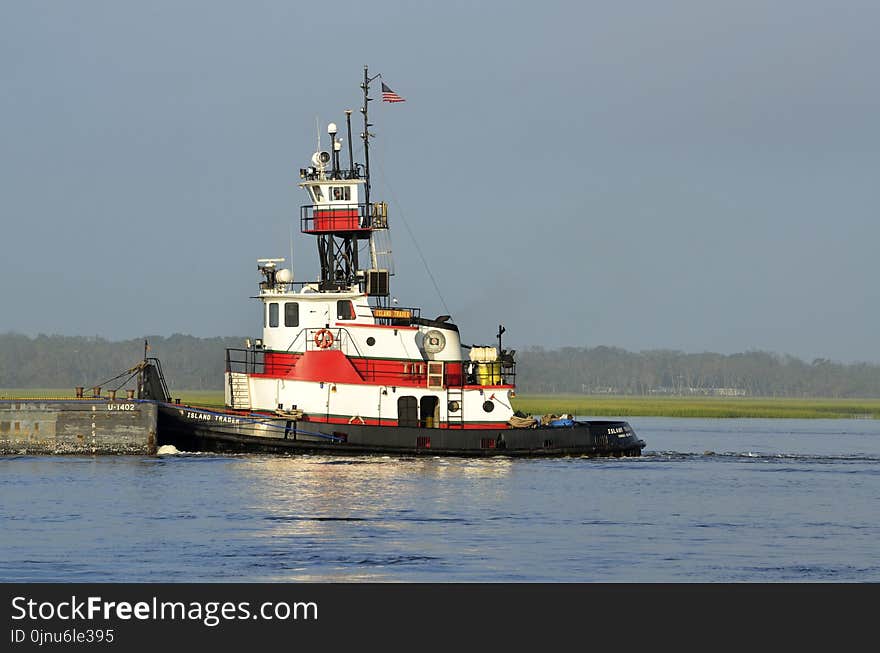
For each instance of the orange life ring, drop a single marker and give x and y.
(323, 338)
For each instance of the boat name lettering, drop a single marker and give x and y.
(121, 407)
(212, 418)
(392, 312)
(617, 430)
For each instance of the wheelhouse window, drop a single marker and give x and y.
(344, 310)
(317, 195)
(273, 314)
(341, 193)
(291, 314)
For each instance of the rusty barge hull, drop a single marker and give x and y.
(77, 427)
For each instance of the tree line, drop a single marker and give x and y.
(190, 363)
(609, 370)
(53, 361)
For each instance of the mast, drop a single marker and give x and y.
(366, 135)
(342, 215)
(366, 138)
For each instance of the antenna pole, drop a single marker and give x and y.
(350, 155)
(366, 134)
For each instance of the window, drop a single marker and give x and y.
(273, 314)
(341, 193)
(316, 193)
(435, 375)
(291, 314)
(344, 310)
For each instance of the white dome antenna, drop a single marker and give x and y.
(335, 145)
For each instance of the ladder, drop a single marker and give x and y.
(455, 419)
(239, 391)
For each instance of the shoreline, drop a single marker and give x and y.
(608, 405)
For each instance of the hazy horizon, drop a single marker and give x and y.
(698, 177)
(149, 338)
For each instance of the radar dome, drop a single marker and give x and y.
(284, 275)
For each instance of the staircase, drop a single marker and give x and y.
(239, 391)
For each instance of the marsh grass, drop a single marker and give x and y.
(595, 406)
(706, 407)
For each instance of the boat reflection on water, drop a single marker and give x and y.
(326, 518)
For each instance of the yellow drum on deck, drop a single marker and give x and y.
(489, 373)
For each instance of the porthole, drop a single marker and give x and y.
(454, 406)
(488, 406)
(371, 341)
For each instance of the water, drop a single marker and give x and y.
(710, 501)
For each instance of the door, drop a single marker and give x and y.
(429, 412)
(407, 411)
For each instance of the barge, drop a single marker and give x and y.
(77, 426)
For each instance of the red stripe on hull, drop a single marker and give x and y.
(371, 421)
(332, 366)
(375, 326)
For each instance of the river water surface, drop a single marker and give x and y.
(709, 501)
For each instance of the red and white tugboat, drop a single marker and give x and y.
(342, 368)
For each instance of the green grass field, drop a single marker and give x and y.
(811, 408)
(602, 406)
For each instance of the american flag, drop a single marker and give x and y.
(390, 96)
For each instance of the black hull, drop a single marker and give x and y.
(199, 429)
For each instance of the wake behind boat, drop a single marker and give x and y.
(341, 368)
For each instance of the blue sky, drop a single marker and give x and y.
(689, 175)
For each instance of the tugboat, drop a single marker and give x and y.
(341, 368)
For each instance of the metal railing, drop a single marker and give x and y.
(396, 315)
(246, 361)
(341, 340)
(343, 217)
(253, 360)
(313, 174)
(495, 373)
(472, 373)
